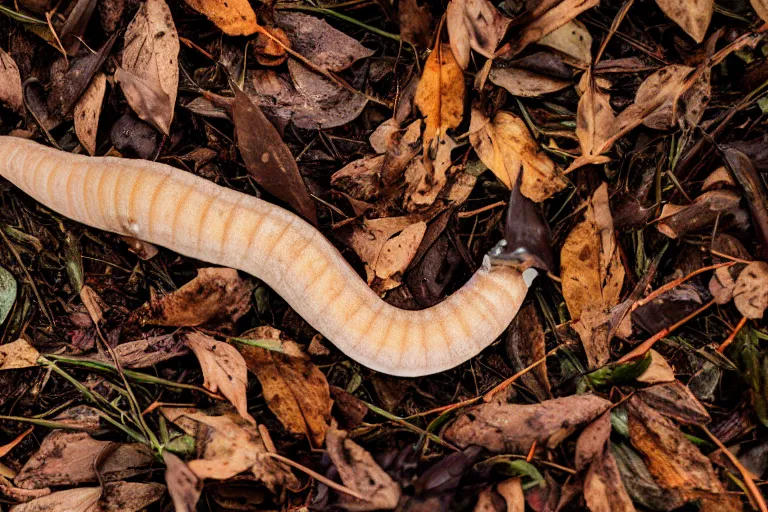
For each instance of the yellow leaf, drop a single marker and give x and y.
(440, 93)
(233, 17)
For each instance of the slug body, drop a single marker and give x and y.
(199, 219)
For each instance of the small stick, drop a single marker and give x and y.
(732, 336)
(504, 385)
(677, 282)
(317, 476)
(472, 213)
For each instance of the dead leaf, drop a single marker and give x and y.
(658, 371)
(506, 146)
(223, 369)
(294, 388)
(233, 17)
(440, 94)
(592, 274)
(228, 446)
(81, 417)
(267, 50)
(83, 499)
(474, 24)
(417, 23)
(427, 177)
(525, 83)
(183, 485)
(147, 352)
(595, 119)
(360, 178)
(604, 489)
(67, 458)
(149, 102)
(710, 207)
(676, 401)
(10, 83)
(18, 354)
(113, 497)
(217, 296)
(359, 472)
(71, 33)
(761, 8)
(525, 345)
(512, 428)
(151, 53)
(88, 111)
(313, 38)
(750, 294)
(572, 39)
(721, 285)
(268, 158)
(693, 16)
(676, 463)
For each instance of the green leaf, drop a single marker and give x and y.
(7, 293)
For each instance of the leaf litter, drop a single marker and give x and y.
(628, 154)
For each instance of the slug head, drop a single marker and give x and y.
(526, 236)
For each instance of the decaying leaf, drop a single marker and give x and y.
(676, 463)
(440, 94)
(10, 83)
(573, 40)
(294, 388)
(151, 53)
(594, 116)
(360, 472)
(360, 178)
(761, 8)
(525, 83)
(233, 17)
(147, 352)
(8, 291)
(113, 497)
(693, 16)
(592, 275)
(750, 295)
(721, 285)
(81, 417)
(512, 428)
(18, 354)
(67, 458)
(83, 499)
(474, 24)
(223, 369)
(217, 296)
(313, 38)
(268, 158)
(710, 207)
(88, 111)
(658, 371)
(604, 489)
(676, 401)
(525, 345)
(416, 22)
(183, 485)
(227, 446)
(506, 146)
(427, 177)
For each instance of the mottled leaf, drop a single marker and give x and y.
(233, 17)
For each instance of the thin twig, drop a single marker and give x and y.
(317, 476)
(733, 334)
(677, 282)
(504, 385)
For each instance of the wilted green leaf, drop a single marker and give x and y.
(7, 293)
(619, 373)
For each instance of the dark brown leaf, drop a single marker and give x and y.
(754, 192)
(525, 345)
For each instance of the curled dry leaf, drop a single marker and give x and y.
(268, 158)
(223, 369)
(512, 428)
(474, 24)
(294, 388)
(750, 294)
(313, 38)
(10, 83)
(360, 473)
(573, 40)
(228, 446)
(217, 296)
(592, 275)
(267, 50)
(151, 53)
(233, 17)
(604, 489)
(710, 207)
(525, 83)
(693, 16)
(18, 354)
(67, 458)
(183, 485)
(88, 111)
(440, 94)
(506, 146)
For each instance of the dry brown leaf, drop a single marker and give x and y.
(676, 463)
(67, 458)
(658, 371)
(151, 53)
(676, 401)
(113, 497)
(474, 24)
(512, 492)
(233, 17)
(83, 499)
(721, 285)
(223, 370)
(88, 111)
(268, 158)
(693, 16)
(440, 94)
(572, 39)
(81, 417)
(525, 83)
(750, 294)
(398, 252)
(525, 345)
(676, 221)
(148, 101)
(147, 352)
(360, 178)
(592, 275)
(507, 148)
(294, 388)
(416, 22)
(313, 38)
(183, 485)
(10, 83)
(761, 8)
(426, 178)
(228, 446)
(217, 296)
(18, 354)
(604, 489)
(594, 116)
(512, 428)
(359, 472)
